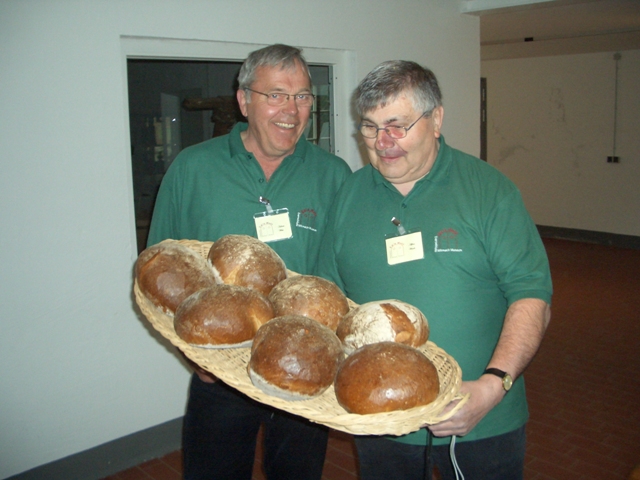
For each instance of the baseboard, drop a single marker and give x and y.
(112, 457)
(589, 236)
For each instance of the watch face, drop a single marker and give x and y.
(507, 382)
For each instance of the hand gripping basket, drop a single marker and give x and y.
(230, 366)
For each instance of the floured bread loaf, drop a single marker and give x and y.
(381, 321)
(311, 296)
(222, 316)
(294, 358)
(386, 376)
(169, 272)
(248, 262)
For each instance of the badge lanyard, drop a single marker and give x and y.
(405, 246)
(272, 225)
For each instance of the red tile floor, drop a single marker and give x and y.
(583, 385)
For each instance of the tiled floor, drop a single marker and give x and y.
(583, 385)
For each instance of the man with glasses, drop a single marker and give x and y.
(442, 230)
(228, 185)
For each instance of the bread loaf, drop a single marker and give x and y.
(222, 316)
(384, 377)
(382, 321)
(312, 297)
(294, 358)
(246, 261)
(169, 272)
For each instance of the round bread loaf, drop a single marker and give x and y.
(222, 316)
(246, 261)
(383, 321)
(312, 297)
(169, 272)
(294, 358)
(386, 376)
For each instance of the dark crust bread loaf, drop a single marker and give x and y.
(169, 272)
(311, 296)
(248, 262)
(294, 358)
(383, 321)
(222, 315)
(384, 377)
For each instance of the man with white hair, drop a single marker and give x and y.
(226, 185)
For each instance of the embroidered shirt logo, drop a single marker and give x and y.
(447, 241)
(307, 219)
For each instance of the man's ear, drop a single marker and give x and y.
(241, 95)
(437, 116)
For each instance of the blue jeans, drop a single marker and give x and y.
(219, 437)
(495, 458)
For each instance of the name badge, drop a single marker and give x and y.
(272, 225)
(404, 248)
(272, 228)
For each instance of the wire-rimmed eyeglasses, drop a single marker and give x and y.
(394, 131)
(277, 99)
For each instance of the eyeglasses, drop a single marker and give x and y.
(394, 131)
(277, 99)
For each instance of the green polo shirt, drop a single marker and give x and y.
(213, 188)
(482, 252)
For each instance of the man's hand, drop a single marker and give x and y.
(205, 376)
(486, 393)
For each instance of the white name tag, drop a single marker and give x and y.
(271, 228)
(404, 248)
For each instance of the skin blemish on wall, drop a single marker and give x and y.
(507, 152)
(556, 106)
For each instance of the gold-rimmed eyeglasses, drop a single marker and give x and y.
(277, 99)
(394, 131)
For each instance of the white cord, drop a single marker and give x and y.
(452, 454)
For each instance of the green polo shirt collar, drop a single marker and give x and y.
(236, 146)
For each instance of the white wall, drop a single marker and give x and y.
(78, 367)
(550, 129)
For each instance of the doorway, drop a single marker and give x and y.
(177, 103)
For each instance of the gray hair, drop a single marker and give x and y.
(392, 78)
(272, 56)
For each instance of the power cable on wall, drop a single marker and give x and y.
(613, 158)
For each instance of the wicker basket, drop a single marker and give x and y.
(230, 366)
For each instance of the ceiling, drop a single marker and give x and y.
(555, 27)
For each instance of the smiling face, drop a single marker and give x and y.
(274, 131)
(406, 160)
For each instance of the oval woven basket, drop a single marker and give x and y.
(230, 366)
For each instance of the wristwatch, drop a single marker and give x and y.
(507, 381)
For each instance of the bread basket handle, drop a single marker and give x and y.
(462, 400)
